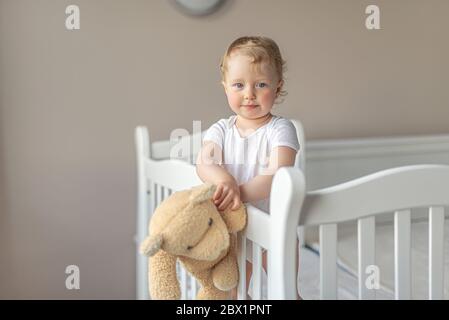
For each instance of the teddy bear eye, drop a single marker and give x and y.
(189, 247)
(210, 221)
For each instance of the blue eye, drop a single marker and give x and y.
(261, 85)
(238, 85)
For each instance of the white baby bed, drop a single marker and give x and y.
(396, 190)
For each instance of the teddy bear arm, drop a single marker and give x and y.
(225, 274)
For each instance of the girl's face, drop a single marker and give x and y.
(251, 89)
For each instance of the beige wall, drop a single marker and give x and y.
(69, 102)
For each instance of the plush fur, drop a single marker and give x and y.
(187, 226)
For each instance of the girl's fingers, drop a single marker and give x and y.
(236, 203)
(223, 195)
(218, 192)
(226, 201)
(219, 199)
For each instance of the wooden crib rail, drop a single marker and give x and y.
(385, 191)
(395, 190)
(286, 199)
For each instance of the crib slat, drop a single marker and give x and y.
(164, 193)
(257, 272)
(160, 194)
(366, 255)
(194, 286)
(156, 192)
(241, 244)
(183, 284)
(328, 261)
(402, 259)
(436, 253)
(189, 286)
(153, 198)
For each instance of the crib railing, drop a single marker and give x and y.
(395, 190)
(275, 232)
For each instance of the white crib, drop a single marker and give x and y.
(396, 190)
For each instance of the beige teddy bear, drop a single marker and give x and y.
(187, 226)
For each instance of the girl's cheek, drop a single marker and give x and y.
(234, 99)
(267, 97)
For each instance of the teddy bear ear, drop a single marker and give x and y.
(235, 219)
(151, 245)
(202, 193)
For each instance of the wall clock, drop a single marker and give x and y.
(198, 7)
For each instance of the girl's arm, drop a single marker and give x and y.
(208, 164)
(259, 187)
(209, 169)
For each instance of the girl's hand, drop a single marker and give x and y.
(227, 195)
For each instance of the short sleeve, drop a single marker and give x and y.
(216, 133)
(284, 134)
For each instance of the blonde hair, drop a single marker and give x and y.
(259, 49)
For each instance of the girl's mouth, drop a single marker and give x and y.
(250, 106)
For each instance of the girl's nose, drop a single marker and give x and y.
(249, 94)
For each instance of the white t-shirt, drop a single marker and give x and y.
(245, 158)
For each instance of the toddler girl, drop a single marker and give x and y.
(241, 154)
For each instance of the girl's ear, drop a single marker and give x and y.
(278, 89)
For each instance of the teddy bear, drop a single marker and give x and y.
(188, 226)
